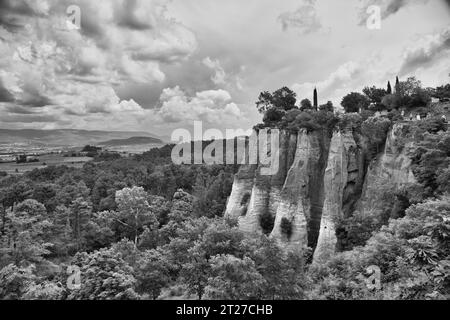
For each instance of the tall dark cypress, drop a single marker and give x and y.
(397, 85)
(316, 102)
(389, 88)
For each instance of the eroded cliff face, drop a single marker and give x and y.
(394, 163)
(254, 194)
(344, 180)
(321, 179)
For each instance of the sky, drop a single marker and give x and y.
(160, 65)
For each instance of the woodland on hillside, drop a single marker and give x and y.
(144, 228)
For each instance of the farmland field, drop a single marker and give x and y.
(44, 161)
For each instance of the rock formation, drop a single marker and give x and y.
(321, 178)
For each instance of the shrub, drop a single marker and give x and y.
(273, 115)
(286, 227)
(266, 222)
(354, 101)
(350, 121)
(245, 198)
(419, 98)
(391, 101)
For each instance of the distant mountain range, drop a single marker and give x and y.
(130, 141)
(73, 137)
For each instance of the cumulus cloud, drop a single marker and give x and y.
(425, 51)
(388, 7)
(336, 83)
(45, 64)
(5, 95)
(211, 106)
(219, 72)
(305, 19)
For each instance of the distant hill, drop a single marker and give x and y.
(67, 137)
(130, 141)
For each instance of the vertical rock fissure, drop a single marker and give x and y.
(316, 189)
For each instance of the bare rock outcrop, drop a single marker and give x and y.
(340, 177)
(321, 179)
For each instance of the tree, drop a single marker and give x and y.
(389, 88)
(265, 102)
(419, 98)
(283, 273)
(284, 99)
(233, 278)
(196, 271)
(46, 290)
(316, 101)
(25, 236)
(443, 91)
(104, 276)
(354, 101)
(375, 94)
(15, 281)
(391, 101)
(79, 215)
(152, 273)
(328, 107)
(134, 211)
(273, 115)
(306, 104)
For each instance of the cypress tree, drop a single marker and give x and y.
(316, 102)
(389, 88)
(397, 85)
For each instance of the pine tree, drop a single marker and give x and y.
(389, 88)
(316, 102)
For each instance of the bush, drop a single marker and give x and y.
(310, 120)
(376, 129)
(350, 121)
(273, 115)
(245, 198)
(286, 227)
(354, 101)
(419, 98)
(266, 222)
(391, 101)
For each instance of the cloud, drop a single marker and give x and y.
(5, 95)
(25, 118)
(219, 73)
(337, 82)
(425, 51)
(211, 106)
(305, 19)
(75, 71)
(388, 7)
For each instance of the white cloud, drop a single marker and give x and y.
(304, 19)
(426, 50)
(211, 106)
(219, 75)
(388, 7)
(333, 85)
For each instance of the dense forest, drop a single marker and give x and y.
(144, 228)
